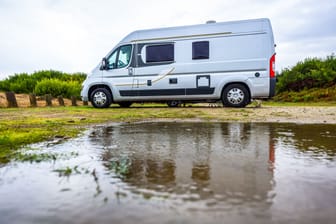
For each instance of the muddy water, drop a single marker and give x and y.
(177, 173)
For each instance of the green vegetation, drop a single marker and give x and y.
(57, 87)
(36, 156)
(119, 166)
(67, 171)
(308, 95)
(309, 81)
(45, 82)
(19, 127)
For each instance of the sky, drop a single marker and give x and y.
(73, 35)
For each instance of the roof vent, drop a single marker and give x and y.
(210, 21)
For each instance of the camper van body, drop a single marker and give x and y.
(232, 62)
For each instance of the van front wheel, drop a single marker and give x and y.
(235, 95)
(101, 98)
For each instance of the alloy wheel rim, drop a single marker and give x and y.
(235, 96)
(100, 98)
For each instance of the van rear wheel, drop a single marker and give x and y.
(235, 95)
(101, 98)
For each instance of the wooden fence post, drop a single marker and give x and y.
(48, 99)
(11, 99)
(32, 99)
(60, 100)
(74, 101)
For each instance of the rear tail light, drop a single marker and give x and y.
(272, 66)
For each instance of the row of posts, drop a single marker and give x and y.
(11, 100)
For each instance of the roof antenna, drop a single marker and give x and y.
(210, 21)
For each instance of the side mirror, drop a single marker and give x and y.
(104, 64)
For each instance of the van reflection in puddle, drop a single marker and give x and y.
(179, 173)
(215, 163)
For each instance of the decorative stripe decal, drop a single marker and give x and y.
(145, 83)
(181, 37)
(193, 73)
(167, 92)
(209, 35)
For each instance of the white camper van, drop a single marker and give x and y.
(232, 62)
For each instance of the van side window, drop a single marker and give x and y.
(120, 58)
(160, 53)
(200, 50)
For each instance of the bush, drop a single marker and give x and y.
(57, 87)
(45, 82)
(308, 95)
(310, 73)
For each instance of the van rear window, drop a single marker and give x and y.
(200, 50)
(160, 53)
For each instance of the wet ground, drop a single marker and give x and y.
(176, 173)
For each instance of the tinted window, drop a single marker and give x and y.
(160, 53)
(200, 50)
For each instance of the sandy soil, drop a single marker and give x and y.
(292, 114)
(267, 114)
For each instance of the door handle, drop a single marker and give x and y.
(130, 71)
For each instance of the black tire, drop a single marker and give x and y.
(174, 103)
(235, 95)
(125, 104)
(101, 98)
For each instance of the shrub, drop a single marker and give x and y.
(25, 83)
(308, 95)
(57, 87)
(310, 73)
(24, 86)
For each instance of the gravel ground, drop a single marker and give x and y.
(283, 114)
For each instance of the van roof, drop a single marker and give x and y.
(201, 30)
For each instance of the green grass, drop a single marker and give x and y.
(308, 95)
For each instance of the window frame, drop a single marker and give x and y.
(200, 46)
(149, 46)
(117, 51)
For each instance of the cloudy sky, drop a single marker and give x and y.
(73, 35)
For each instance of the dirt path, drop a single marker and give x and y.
(268, 114)
(281, 114)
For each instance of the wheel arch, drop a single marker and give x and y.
(241, 83)
(96, 86)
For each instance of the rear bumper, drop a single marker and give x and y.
(272, 87)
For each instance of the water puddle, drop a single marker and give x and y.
(176, 173)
